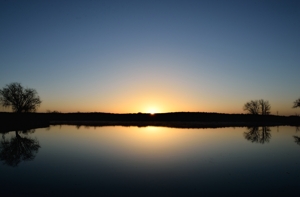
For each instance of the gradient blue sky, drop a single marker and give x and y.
(161, 56)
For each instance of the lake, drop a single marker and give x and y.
(150, 161)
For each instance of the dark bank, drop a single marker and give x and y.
(17, 121)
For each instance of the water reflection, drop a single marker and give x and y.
(297, 138)
(18, 148)
(154, 161)
(254, 134)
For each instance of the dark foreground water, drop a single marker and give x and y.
(150, 161)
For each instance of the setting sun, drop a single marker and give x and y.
(152, 111)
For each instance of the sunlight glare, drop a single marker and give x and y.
(152, 111)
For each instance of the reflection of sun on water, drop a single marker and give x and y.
(151, 129)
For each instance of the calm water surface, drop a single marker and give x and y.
(150, 161)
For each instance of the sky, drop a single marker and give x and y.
(153, 56)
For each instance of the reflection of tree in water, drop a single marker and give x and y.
(254, 134)
(18, 148)
(297, 138)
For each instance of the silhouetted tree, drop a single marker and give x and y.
(259, 136)
(296, 103)
(19, 98)
(252, 107)
(18, 148)
(257, 107)
(265, 107)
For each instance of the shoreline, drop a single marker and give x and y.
(14, 121)
(170, 124)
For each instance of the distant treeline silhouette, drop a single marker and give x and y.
(30, 120)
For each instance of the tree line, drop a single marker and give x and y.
(22, 99)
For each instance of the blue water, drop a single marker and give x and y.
(150, 161)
